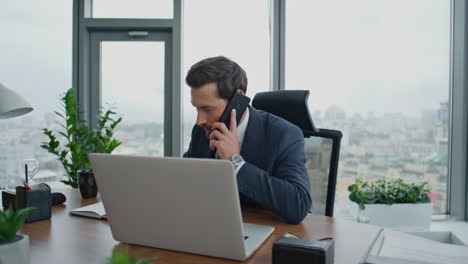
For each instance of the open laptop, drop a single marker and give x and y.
(189, 205)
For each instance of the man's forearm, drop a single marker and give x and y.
(285, 196)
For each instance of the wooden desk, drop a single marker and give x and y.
(73, 239)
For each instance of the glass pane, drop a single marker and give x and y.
(35, 62)
(379, 72)
(132, 81)
(132, 9)
(246, 41)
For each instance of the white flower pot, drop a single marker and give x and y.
(16, 251)
(401, 217)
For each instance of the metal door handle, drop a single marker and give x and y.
(136, 34)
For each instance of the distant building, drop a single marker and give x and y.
(334, 113)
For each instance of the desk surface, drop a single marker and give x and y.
(74, 239)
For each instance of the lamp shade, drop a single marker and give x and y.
(12, 104)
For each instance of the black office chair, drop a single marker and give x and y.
(322, 146)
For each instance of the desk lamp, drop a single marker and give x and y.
(11, 104)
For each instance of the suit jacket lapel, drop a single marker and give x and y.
(253, 139)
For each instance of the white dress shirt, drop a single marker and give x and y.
(241, 134)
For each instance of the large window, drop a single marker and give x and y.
(35, 61)
(238, 30)
(132, 82)
(379, 72)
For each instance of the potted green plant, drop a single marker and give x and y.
(14, 248)
(79, 139)
(393, 204)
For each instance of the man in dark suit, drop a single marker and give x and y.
(267, 151)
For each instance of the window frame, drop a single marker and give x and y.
(95, 99)
(458, 178)
(84, 25)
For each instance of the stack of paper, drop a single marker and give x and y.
(401, 246)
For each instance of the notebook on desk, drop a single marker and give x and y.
(188, 205)
(93, 211)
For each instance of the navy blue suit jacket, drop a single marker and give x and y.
(274, 175)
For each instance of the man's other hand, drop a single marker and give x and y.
(224, 140)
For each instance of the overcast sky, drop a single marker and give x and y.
(362, 55)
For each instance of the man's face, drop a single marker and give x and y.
(209, 105)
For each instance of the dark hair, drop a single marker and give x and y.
(227, 74)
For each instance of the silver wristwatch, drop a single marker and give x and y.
(237, 160)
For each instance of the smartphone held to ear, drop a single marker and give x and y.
(239, 102)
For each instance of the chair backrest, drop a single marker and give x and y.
(289, 104)
(322, 146)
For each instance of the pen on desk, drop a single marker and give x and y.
(26, 185)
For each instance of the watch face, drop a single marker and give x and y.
(237, 159)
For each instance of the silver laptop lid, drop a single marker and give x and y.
(189, 205)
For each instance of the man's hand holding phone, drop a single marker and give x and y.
(225, 141)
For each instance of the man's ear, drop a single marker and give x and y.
(240, 91)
